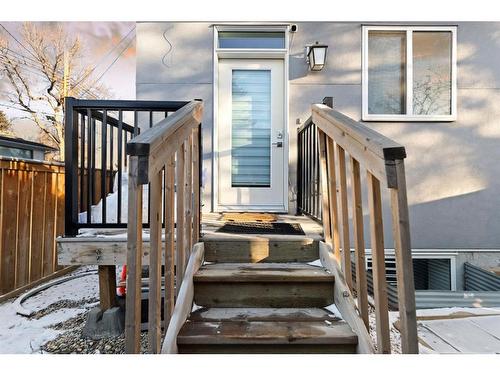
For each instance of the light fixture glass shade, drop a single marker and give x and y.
(317, 56)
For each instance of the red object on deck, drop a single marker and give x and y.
(121, 290)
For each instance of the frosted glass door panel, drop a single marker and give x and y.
(251, 128)
(250, 125)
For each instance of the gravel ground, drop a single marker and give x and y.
(394, 334)
(65, 303)
(72, 342)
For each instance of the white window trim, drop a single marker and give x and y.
(409, 75)
(425, 254)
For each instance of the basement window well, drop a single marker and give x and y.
(430, 273)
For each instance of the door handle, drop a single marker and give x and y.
(277, 144)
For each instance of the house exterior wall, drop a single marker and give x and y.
(452, 168)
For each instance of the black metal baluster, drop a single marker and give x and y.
(125, 140)
(71, 167)
(120, 163)
(82, 161)
(318, 189)
(309, 170)
(149, 185)
(317, 170)
(306, 156)
(94, 151)
(299, 171)
(90, 172)
(303, 172)
(136, 126)
(103, 163)
(313, 171)
(111, 146)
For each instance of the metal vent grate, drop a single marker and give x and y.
(390, 267)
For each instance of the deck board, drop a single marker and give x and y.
(109, 246)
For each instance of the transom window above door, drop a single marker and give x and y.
(251, 39)
(409, 73)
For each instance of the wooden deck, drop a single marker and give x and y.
(109, 246)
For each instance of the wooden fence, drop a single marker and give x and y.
(31, 217)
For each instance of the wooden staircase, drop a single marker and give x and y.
(260, 294)
(264, 308)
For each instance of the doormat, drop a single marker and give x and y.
(262, 228)
(248, 217)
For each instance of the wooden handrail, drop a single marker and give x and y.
(167, 158)
(155, 145)
(383, 160)
(377, 152)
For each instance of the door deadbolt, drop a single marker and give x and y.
(278, 144)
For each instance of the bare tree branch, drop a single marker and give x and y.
(35, 75)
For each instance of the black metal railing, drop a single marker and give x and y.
(308, 183)
(309, 196)
(96, 134)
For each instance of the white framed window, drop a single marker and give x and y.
(409, 73)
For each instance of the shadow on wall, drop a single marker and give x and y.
(450, 223)
(452, 168)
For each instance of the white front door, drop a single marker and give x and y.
(251, 135)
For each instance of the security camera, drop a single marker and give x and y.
(293, 28)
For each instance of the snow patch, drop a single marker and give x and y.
(21, 335)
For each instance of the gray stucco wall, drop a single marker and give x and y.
(452, 168)
(174, 62)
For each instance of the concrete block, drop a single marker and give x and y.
(101, 324)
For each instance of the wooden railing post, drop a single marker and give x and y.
(107, 287)
(324, 188)
(332, 194)
(188, 206)
(154, 309)
(404, 263)
(359, 242)
(344, 222)
(378, 265)
(180, 257)
(169, 239)
(196, 184)
(134, 260)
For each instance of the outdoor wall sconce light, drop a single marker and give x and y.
(316, 56)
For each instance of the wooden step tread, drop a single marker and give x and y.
(266, 333)
(216, 314)
(262, 272)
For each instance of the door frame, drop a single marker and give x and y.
(241, 54)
